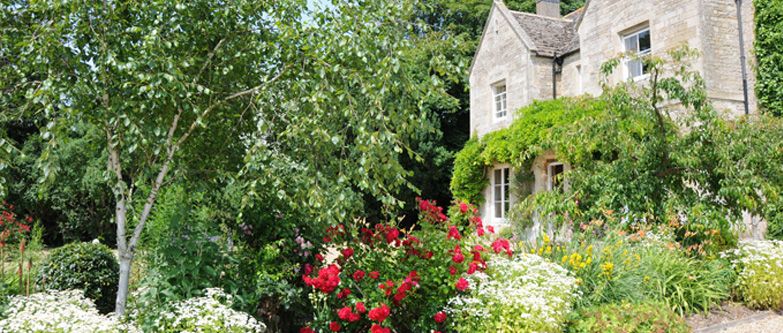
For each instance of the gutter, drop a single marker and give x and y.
(743, 59)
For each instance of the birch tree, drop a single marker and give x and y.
(323, 103)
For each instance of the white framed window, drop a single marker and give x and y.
(500, 193)
(499, 100)
(554, 171)
(637, 43)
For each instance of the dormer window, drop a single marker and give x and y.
(499, 94)
(638, 44)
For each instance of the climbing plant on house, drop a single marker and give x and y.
(769, 53)
(636, 158)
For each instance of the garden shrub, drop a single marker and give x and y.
(381, 277)
(184, 251)
(59, 311)
(90, 267)
(211, 313)
(523, 294)
(687, 285)
(759, 265)
(638, 267)
(627, 318)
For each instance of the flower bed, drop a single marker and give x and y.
(759, 265)
(208, 314)
(58, 311)
(523, 294)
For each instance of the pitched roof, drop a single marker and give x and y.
(551, 36)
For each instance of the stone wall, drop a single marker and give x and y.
(502, 56)
(707, 25)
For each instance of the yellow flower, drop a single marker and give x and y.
(565, 258)
(549, 249)
(607, 269)
(546, 239)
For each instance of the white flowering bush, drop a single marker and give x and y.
(523, 294)
(58, 311)
(208, 314)
(759, 265)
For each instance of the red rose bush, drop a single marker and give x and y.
(381, 279)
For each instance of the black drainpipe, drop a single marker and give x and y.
(557, 68)
(742, 57)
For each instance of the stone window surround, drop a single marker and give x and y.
(504, 187)
(499, 100)
(631, 32)
(550, 174)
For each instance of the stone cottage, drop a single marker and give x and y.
(524, 57)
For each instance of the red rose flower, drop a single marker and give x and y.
(358, 275)
(360, 308)
(344, 293)
(347, 314)
(379, 329)
(452, 270)
(462, 284)
(380, 313)
(472, 268)
(347, 252)
(463, 208)
(453, 233)
(500, 245)
(308, 269)
(458, 257)
(491, 229)
(334, 326)
(439, 317)
(480, 231)
(375, 275)
(306, 329)
(391, 235)
(327, 280)
(319, 257)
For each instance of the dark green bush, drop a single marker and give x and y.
(627, 318)
(86, 266)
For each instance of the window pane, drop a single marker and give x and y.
(498, 210)
(498, 193)
(497, 176)
(506, 207)
(644, 41)
(632, 44)
(634, 68)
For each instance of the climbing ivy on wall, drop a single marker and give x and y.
(517, 144)
(769, 52)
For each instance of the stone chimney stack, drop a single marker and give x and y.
(549, 8)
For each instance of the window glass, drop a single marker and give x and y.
(638, 43)
(501, 192)
(499, 93)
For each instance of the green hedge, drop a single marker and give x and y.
(769, 52)
(517, 144)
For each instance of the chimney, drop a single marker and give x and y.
(548, 8)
